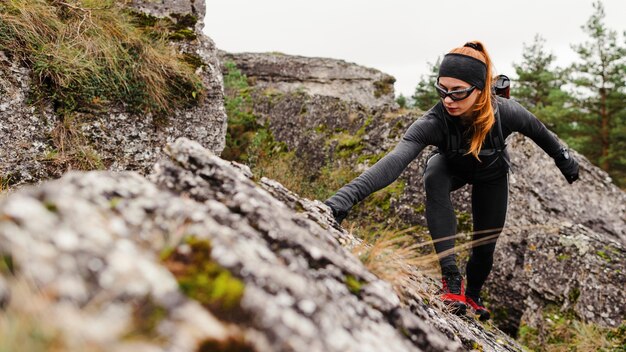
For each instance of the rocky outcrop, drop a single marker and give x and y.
(564, 245)
(172, 7)
(537, 265)
(568, 269)
(107, 249)
(120, 140)
(316, 76)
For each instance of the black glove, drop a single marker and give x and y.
(567, 165)
(339, 215)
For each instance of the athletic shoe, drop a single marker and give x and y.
(478, 307)
(453, 292)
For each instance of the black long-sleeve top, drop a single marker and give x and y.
(431, 129)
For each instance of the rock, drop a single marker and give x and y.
(168, 7)
(572, 269)
(283, 248)
(5, 293)
(282, 73)
(122, 141)
(541, 201)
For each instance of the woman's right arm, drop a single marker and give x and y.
(386, 170)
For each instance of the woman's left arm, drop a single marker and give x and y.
(521, 120)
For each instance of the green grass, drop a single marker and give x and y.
(85, 53)
(563, 331)
(86, 56)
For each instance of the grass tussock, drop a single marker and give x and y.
(84, 53)
(72, 147)
(564, 332)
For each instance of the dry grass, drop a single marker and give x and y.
(84, 53)
(412, 267)
(286, 168)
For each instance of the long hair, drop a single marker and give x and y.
(483, 108)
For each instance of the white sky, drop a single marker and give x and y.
(400, 37)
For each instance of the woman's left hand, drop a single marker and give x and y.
(568, 166)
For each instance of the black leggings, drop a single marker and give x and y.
(489, 204)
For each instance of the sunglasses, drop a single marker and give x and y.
(455, 95)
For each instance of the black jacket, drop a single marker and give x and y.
(431, 129)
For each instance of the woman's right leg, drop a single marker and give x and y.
(440, 216)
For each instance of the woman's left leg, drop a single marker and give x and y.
(489, 205)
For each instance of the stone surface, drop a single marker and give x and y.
(541, 201)
(93, 252)
(121, 140)
(165, 8)
(316, 76)
(571, 268)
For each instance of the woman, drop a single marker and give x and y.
(468, 126)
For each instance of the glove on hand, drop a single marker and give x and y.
(339, 215)
(567, 165)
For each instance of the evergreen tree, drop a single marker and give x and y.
(538, 88)
(402, 101)
(425, 95)
(599, 79)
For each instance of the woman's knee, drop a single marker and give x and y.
(436, 176)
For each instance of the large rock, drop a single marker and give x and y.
(122, 141)
(543, 208)
(166, 8)
(563, 246)
(316, 76)
(94, 249)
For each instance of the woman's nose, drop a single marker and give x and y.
(448, 100)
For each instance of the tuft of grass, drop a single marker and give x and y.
(72, 148)
(563, 331)
(396, 257)
(84, 53)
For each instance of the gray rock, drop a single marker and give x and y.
(121, 140)
(5, 293)
(94, 253)
(541, 201)
(282, 73)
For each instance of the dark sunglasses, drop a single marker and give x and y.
(455, 95)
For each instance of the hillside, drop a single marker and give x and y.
(198, 224)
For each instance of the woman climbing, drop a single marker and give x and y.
(468, 126)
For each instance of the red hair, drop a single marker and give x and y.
(483, 109)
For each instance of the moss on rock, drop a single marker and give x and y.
(203, 279)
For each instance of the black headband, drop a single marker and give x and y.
(465, 68)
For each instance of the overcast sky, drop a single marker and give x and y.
(400, 37)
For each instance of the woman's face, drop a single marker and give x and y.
(459, 107)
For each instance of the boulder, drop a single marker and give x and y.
(117, 139)
(315, 76)
(543, 208)
(109, 256)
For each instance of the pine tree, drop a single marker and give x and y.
(539, 89)
(599, 78)
(425, 95)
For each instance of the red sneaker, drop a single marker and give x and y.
(478, 307)
(453, 292)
